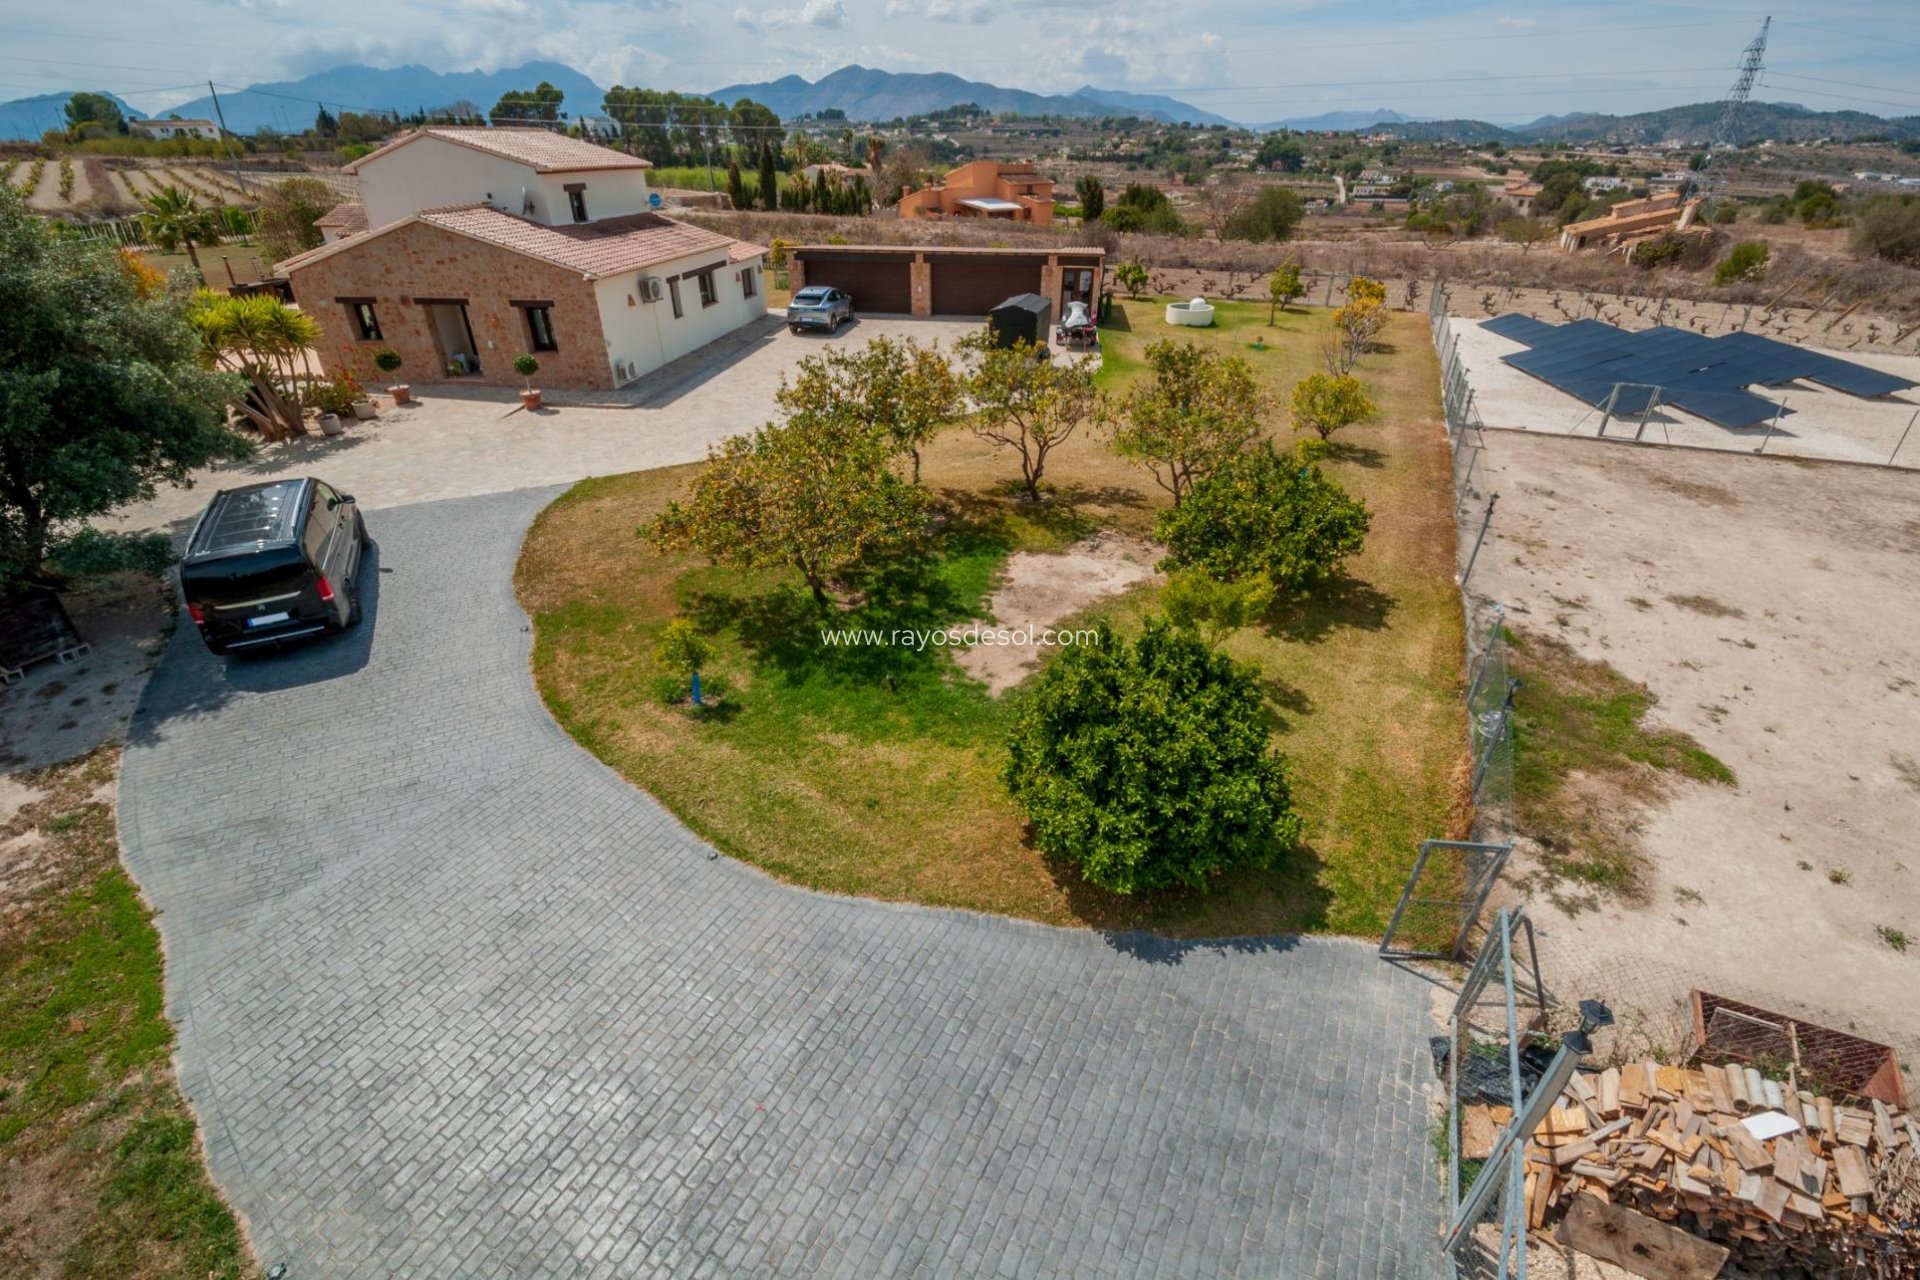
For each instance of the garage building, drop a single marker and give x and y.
(924, 281)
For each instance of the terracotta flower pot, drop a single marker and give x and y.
(401, 393)
(530, 399)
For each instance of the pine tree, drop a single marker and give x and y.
(769, 182)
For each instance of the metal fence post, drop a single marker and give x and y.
(1903, 437)
(1478, 541)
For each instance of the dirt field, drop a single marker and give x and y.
(1773, 607)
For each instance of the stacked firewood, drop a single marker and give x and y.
(1837, 1193)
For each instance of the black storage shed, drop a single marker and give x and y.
(1023, 317)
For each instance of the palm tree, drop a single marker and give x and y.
(174, 218)
(266, 340)
(876, 147)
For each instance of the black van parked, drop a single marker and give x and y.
(273, 562)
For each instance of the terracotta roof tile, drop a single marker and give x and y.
(741, 250)
(594, 249)
(349, 216)
(545, 151)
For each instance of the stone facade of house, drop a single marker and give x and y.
(440, 265)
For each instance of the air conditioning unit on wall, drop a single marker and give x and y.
(623, 372)
(650, 288)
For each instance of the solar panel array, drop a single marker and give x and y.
(1705, 376)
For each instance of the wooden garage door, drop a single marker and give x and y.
(877, 284)
(965, 285)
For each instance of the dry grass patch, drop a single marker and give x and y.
(100, 1166)
(877, 771)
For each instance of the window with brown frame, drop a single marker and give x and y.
(366, 325)
(707, 295)
(746, 282)
(577, 200)
(673, 287)
(540, 328)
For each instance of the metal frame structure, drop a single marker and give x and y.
(1725, 133)
(1478, 865)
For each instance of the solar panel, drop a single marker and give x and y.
(1705, 376)
(1517, 327)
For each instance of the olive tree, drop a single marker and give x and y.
(1146, 765)
(102, 396)
(1323, 403)
(1197, 410)
(901, 389)
(818, 498)
(1268, 516)
(1284, 287)
(1027, 403)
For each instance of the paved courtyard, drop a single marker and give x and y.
(458, 440)
(454, 1000)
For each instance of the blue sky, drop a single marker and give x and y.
(1251, 60)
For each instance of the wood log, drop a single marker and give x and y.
(1636, 1243)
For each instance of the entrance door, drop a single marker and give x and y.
(455, 334)
(1076, 285)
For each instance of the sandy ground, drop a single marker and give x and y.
(64, 709)
(1773, 607)
(1037, 591)
(1819, 423)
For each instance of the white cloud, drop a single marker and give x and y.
(972, 12)
(1516, 22)
(494, 8)
(828, 15)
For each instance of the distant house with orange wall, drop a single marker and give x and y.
(984, 189)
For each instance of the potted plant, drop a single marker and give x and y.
(361, 404)
(526, 366)
(386, 360)
(333, 400)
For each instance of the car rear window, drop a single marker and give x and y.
(247, 518)
(244, 578)
(810, 295)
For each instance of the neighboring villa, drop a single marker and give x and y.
(471, 245)
(984, 189)
(174, 127)
(1625, 225)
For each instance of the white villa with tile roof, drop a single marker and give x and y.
(469, 246)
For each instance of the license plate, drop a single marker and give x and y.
(268, 619)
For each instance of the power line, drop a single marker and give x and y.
(1875, 38)
(1910, 108)
(1851, 84)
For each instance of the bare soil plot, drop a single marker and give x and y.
(1039, 589)
(1773, 609)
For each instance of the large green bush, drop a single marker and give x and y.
(1146, 765)
(1269, 514)
(1747, 261)
(1889, 227)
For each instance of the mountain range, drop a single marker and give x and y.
(866, 94)
(28, 118)
(288, 105)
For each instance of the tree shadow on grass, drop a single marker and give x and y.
(1248, 910)
(1283, 701)
(1360, 455)
(1341, 603)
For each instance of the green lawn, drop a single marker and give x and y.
(876, 771)
(100, 1168)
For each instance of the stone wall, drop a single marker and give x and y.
(419, 260)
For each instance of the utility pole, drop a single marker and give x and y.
(1726, 133)
(227, 138)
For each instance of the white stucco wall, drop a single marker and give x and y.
(647, 332)
(429, 172)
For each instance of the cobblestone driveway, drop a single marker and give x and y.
(454, 1000)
